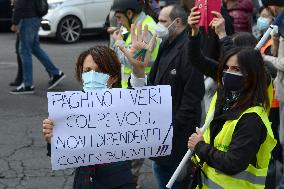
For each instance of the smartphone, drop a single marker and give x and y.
(205, 7)
(202, 8)
(214, 5)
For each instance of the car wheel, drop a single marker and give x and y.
(69, 29)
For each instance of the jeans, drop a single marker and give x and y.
(19, 76)
(270, 182)
(29, 44)
(163, 174)
(281, 126)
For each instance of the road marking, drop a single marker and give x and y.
(8, 64)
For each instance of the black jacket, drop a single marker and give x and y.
(172, 67)
(23, 9)
(249, 134)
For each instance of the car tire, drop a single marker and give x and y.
(69, 29)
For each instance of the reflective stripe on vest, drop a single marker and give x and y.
(210, 184)
(151, 28)
(241, 180)
(252, 177)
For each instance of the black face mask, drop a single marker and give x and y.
(232, 81)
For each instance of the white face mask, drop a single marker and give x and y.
(163, 31)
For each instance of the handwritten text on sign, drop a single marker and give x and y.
(105, 126)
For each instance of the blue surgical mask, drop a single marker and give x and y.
(262, 23)
(232, 81)
(93, 80)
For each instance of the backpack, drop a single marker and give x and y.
(41, 7)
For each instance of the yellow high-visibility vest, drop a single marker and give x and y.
(254, 176)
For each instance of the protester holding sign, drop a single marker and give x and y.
(172, 67)
(235, 151)
(98, 68)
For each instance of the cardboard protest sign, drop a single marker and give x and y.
(109, 125)
(205, 7)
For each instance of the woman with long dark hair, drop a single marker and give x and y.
(235, 150)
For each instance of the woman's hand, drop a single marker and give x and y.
(218, 24)
(47, 127)
(194, 139)
(193, 21)
(138, 43)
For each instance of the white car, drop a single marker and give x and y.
(68, 19)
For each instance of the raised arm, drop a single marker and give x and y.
(277, 62)
(205, 65)
(119, 42)
(139, 43)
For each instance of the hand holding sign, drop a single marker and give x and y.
(47, 127)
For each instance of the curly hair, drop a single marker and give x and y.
(106, 60)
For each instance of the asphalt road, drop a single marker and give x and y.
(23, 160)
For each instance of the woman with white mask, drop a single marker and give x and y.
(97, 68)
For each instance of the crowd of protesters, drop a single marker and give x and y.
(215, 72)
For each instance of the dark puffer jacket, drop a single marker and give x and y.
(242, 15)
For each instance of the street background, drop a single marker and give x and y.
(23, 160)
